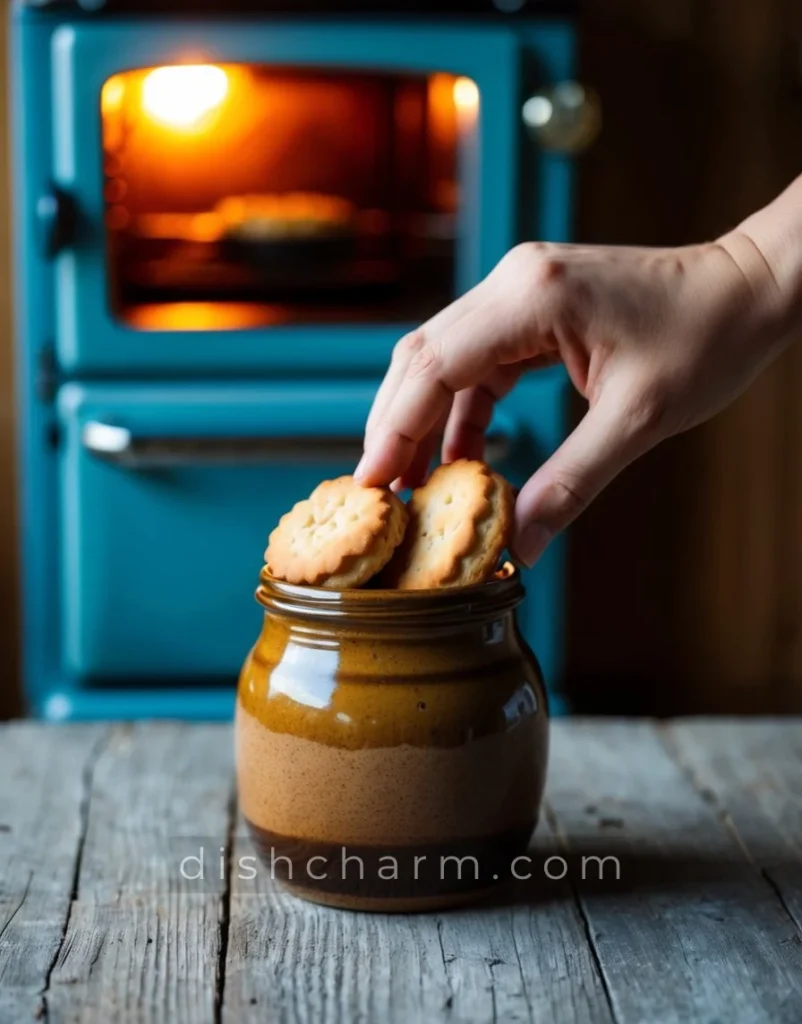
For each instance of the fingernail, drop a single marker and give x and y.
(531, 542)
(359, 472)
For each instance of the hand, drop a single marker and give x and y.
(656, 340)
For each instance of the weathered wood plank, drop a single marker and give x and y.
(752, 772)
(294, 961)
(690, 930)
(526, 959)
(45, 774)
(144, 943)
(704, 819)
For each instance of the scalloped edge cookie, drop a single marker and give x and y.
(460, 521)
(338, 537)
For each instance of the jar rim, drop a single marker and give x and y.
(406, 607)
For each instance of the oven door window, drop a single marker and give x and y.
(242, 196)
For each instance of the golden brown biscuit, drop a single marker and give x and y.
(460, 522)
(338, 537)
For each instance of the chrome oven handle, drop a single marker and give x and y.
(117, 444)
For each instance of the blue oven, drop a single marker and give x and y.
(224, 222)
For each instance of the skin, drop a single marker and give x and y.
(656, 340)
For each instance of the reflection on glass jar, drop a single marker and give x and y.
(391, 746)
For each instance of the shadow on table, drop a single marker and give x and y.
(617, 870)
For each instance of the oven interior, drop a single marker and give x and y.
(239, 196)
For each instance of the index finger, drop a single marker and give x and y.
(409, 345)
(443, 363)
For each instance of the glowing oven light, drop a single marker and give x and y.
(112, 94)
(466, 95)
(181, 96)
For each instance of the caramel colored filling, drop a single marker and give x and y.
(380, 796)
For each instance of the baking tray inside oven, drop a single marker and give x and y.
(162, 261)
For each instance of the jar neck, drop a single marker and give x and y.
(387, 612)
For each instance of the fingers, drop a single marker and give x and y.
(603, 444)
(506, 320)
(473, 408)
(395, 371)
(437, 365)
(406, 349)
(470, 417)
(418, 470)
(472, 412)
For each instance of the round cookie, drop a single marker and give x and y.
(460, 521)
(338, 537)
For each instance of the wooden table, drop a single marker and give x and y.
(703, 818)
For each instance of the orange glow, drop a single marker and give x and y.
(442, 113)
(114, 191)
(112, 95)
(441, 105)
(269, 134)
(117, 218)
(203, 316)
(201, 158)
(183, 96)
(197, 227)
(466, 95)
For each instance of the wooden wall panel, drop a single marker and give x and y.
(685, 582)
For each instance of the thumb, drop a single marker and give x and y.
(601, 446)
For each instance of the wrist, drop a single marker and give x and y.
(767, 247)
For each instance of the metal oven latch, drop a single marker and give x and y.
(56, 220)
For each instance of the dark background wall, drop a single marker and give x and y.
(686, 576)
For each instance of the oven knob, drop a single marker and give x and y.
(565, 118)
(55, 221)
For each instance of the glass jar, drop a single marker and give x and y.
(391, 745)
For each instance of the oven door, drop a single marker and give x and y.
(269, 196)
(167, 496)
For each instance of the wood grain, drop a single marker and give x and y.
(696, 915)
(684, 592)
(46, 776)
(690, 931)
(751, 775)
(522, 959)
(142, 942)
